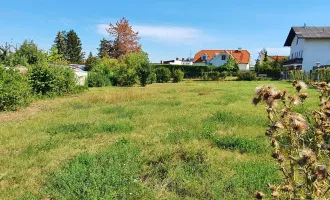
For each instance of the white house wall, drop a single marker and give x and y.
(316, 50)
(244, 66)
(297, 48)
(217, 60)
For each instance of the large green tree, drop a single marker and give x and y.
(74, 49)
(60, 43)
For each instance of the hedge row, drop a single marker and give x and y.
(190, 71)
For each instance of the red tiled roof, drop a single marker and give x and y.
(241, 57)
(280, 58)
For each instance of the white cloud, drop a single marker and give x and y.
(164, 34)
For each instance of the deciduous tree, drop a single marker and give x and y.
(125, 39)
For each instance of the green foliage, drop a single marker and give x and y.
(296, 75)
(163, 75)
(214, 76)
(125, 76)
(108, 175)
(92, 62)
(178, 76)
(145, 74)
(190, 71)
(28, 54)
(105, 48)
(14, 90)
(257, 65)
(74, 49)
(320, 75)
(247, 76)
(60, 43)
(231, 65)
(51, 80)
(97, 79)
(55, 57)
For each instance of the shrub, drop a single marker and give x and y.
(211, 76)
(163, 75)
(14, 90)
(52, 80)
(101, 75)
(247, 76)
(296, 75)
(125, 76)
(145, 74)
(178, 76)
(92, 62)
(97, 79)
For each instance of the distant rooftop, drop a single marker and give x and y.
(308, 32)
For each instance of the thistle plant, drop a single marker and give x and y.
(300, 141)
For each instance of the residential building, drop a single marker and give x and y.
(220, 57)
(177, 61)
(272, 58)
(309, 47)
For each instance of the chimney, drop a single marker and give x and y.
(239, 49)
(161, 62)
(177, 58)
(182, 59)
(318, 64)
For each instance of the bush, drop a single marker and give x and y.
(96, 79)
(163, 75)
(15, 91)
(190, 71)
(125, 76)
(92, 62)
(52, 80)
(145, 74)
(178, 76)
(211, 76)
(101, 75)
(247, 76)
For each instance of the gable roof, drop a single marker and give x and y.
(280, 58)
(241, 57)
(308, 32)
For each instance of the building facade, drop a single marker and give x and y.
(309, 45)
(220, 57)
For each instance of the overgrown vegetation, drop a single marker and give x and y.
(186, 146)
(15, 91)
(300, 142)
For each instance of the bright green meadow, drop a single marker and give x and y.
(190, 140)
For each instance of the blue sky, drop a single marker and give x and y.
(168, 28)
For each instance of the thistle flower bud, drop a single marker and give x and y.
(321, 172)
(306, 156)
(303, 96)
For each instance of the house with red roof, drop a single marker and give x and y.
(272, 58)
(220, 57)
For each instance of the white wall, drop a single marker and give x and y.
(297, 48)
(217, 60)
(244, 67)
(81, 77)
(316, 50)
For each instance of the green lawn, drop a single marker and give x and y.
(192, 140)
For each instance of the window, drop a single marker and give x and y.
(223, 57)
(297, 40)
(302, 51)
(299, 54)
(292, 56)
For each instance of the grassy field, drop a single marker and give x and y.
(192, 140)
